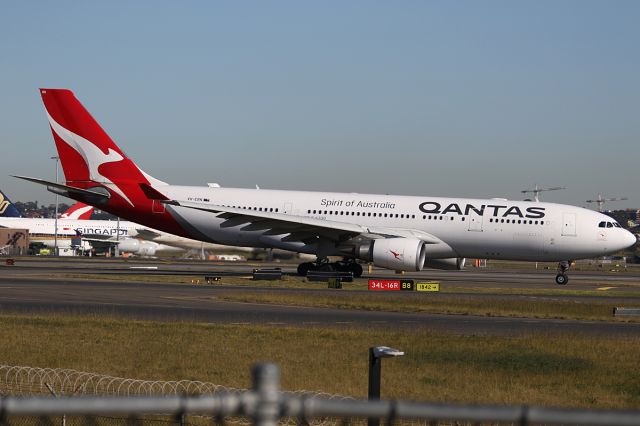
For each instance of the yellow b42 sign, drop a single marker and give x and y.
(428, 286)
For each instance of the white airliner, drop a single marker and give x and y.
(394, 232)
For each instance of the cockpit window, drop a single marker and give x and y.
(602, 224)
(609, 225)
(617, 225)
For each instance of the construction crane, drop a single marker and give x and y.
(600, 201)
(536, 190)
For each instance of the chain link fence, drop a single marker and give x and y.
(80, 399)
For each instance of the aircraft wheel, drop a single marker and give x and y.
(305, 267)
(562, 279)
(356, 269)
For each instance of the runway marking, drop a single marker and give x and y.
(605, 288)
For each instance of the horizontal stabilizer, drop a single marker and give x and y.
(58, 188)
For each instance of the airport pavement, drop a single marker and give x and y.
(42, 289)
(512, 278)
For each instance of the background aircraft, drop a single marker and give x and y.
(74, 225)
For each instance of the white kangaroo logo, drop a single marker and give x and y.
(93, 156)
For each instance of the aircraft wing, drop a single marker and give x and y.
(301, 228)
(147, 234)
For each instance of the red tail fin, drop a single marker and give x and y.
(87, 153)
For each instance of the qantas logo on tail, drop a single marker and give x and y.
(92, 155)
(78, 211)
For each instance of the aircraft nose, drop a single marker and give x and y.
(629, 239)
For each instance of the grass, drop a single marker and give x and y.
(291, 281)
(444, 304)
(450, 300)
(574, 371)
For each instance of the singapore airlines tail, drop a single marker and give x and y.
(7, 208)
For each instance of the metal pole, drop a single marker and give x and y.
(117, 249)
(55, 233)
(64, 417)
(375, 368)
(266, 384)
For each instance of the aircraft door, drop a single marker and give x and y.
(475, 221)
(568, 224)
(288, 208)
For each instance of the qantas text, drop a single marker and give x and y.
(494, 210)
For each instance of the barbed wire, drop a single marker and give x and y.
(30, 381)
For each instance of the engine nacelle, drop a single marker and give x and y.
(452, 264)
(140, 248)
(400, 254)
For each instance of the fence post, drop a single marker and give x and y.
(266, 384)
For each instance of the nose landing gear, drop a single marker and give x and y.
(561, 277)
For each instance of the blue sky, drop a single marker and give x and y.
(450, 98)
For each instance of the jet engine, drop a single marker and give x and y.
(140, 248)
(453, 264)
(408, 254)
(402, 254)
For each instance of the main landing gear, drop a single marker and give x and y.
(561, 277)
(323, 264)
